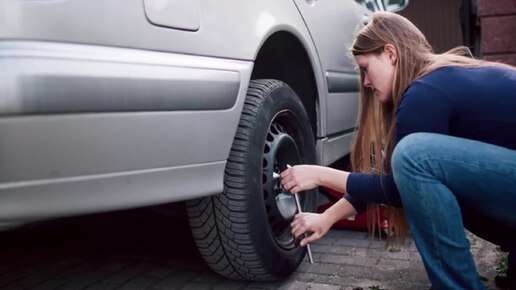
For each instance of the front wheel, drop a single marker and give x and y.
(244, 232)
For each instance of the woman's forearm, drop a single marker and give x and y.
(333, 178)
(342, 209)
(304, 177)
(336, 180)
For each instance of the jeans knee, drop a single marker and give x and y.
(408, 150)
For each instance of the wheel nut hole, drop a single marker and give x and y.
(266, 148)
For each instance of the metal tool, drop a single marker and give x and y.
(298, 205)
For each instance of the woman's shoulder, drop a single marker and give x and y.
(455, 73)
(434, 80)
(445, 72)
(459, 76)
(433, 86)
(449, 84)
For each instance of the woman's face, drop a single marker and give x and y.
(378, 71)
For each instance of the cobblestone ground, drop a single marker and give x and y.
(146, 250)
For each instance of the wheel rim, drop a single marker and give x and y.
(280, 149)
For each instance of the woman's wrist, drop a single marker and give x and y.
(340, 210)
(331, 216)
(322, 176)
(331, 178)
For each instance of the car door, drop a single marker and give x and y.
(332, 25)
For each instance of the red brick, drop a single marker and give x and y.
(499, 34)
(497, 7)
(503, 58)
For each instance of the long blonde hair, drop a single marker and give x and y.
(375, 138)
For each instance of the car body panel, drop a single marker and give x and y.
(61, 78)
(104, 106)
(175, 14)
(233, 29)
(334, 56)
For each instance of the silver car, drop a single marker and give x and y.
(117, 104)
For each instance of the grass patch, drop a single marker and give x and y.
(503, 264)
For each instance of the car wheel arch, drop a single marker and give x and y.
(284, 57)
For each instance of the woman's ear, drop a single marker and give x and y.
(390, 50)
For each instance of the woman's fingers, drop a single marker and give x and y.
(299, 231)
(295, 189)
(311, 223)
(314, 236)
(288, 185)
(287, 182)
(288, 179)
(299, 178)
(291, 186)
(285, 173)
(298, 225)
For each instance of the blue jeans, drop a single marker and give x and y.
(436, 175)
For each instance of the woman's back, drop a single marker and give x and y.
(474, 103)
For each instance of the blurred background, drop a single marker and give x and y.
(487, 27)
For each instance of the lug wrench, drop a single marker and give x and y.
(298, 205)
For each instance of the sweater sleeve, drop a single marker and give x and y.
(424, 108)
(363, 188)
(360, 206)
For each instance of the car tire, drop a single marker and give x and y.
(244, 232)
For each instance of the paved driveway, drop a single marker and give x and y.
(142, 249)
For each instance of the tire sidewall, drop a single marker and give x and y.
(275, 258)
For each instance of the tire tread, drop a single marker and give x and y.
(219, 223)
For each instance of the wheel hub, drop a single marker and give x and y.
(280, 149)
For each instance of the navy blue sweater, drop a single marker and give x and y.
(472, 103)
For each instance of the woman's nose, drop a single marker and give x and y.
(367, 83)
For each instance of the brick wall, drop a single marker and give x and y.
(498, 22)
(438, 20)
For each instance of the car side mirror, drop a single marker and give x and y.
(395, 5)
(384, 5)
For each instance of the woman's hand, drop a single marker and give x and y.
(300, 177)
(317, 224)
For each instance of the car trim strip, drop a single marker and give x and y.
(69, 78)
(340, 82)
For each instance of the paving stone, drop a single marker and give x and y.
(113, 267)
(37, 277)
(207, 278)
(264, 285)
(174, 281)
(343, 260)
(97, 280)
(139, 283)
(159, 272)
(228, 284)
(196, 286)
(349, 260)
(12, 277)
(295, 285)
(86, 281)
